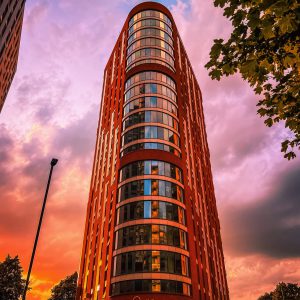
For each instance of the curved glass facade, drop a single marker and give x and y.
(150, 209)
(150, 187)
(151, 234)
(152, 29)
(150, 146)
(150, 88)
(153, 42)
(150, 13)
(150, 167)
(150, 121)
(151, 261)
(153, 109)
(151, 285)
(150, 132)
(150, 22)
(150, 102)
(147, 53)
(151, 32)
(149, 76)
(150, 116)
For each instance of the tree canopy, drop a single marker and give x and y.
(264, 47)
(66, 289)
(11, 283)
(283, 291)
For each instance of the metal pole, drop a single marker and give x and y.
(53, 163)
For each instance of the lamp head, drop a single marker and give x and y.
(54, 162)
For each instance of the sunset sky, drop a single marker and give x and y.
(52, 110)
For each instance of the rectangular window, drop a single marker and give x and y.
(154, 187)
(155, 261)
(155, 234)
(147, 116)
(162, 210)
(154, 209)
(161, 170)
(147, 187)
(153, 101)
(147, 209)
(154, 167)
(162, 188)
(155, 285)
(163, 262)
(147, 167)
(163, 238)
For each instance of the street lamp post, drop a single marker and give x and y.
(53, 163)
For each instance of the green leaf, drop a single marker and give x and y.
(216, 50)
(215, 74)
(286, 24)
(269, 122)
(267, 31)
(220, 3)
(226, 69)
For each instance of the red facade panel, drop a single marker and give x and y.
(11, 19)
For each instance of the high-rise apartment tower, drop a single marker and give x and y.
(152, 229)
(11, 19)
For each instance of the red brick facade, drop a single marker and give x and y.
(152, 229)
(11, 19)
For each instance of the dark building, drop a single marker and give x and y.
(11, 19)
(152, 229)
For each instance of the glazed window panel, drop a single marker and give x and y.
(151, 209)
(151, 261)
(151, 285)
(150, 88)
(150, 187)
(150, 32)
(150, 167)
(149, 23)
(150, 52)
(150, 117)
(149, 234)
(150, 13)
(155, 146)
(150, 61)
(150, 102)
(150, 132)
(146, 42)
(149, 75)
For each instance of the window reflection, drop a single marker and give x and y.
(150, 13)
(150, 209)
(151, 261)
(150, 52)
(151, 285)
(147, 209)
(150, 32)
(150, 42)
(150, 116)
(150, 187)
(149, 61)
(150, 88)
(150, 75)
(150, 234)
(149, 23)
(156, 146)
(150, 132)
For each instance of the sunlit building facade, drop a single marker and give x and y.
(152, 229)
(11, 19)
